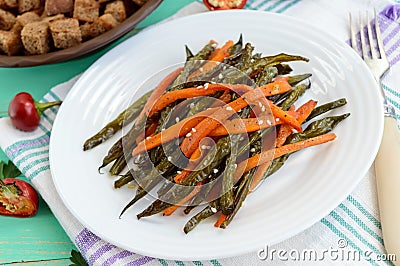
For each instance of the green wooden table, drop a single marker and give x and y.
(40, 240)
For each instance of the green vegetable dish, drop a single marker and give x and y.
(212, 130)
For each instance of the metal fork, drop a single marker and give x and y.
(387, 163)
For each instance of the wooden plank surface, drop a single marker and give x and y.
(32, 239)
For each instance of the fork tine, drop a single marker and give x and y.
(379, 38)
(352, 34)
(370, 39)
(363, 45)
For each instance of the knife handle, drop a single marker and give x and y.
(387, 169)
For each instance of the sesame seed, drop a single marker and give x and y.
(206, 86)
(220, 76)
(162, 129)
(260, 122)
(214, 210)
(199, 87)
(277, 119)
(252, 149)
(201, 69)
(179, 172)
(294, 130)
(229, 108)
(263, 108)
(191, 105)
(193, 129)
(169, 158)
(188, 134)
(235, 165)
(148, 137)
(215, 171)
(260, 104)
(176, 119)
(269, 122)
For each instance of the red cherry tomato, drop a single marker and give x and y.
(17, 198)
(25, 112)
(224, 4)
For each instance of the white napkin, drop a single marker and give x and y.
(349, 235)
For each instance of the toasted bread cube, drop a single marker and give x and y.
(24, 19)
(86, 10)
(52, 18)
(86, 31)
(10, 43)
(28, 5)
(53, 7)
(65, 32)
(104, 23)
(7, 20)
(8, 4)
(117, 10)
(36, 37)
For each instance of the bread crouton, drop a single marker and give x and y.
(104, 23)
(8, 4)
(24, 19)
(28, 5)
(65, 33)
(7, 20)
(117, 10)
(35, 37)
(86, 10)
(10, 43)
(53, 7)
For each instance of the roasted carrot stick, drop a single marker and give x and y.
(175, 131)
(238, 126)
(218, 55)
(220, 220)
(188, 197)
(189, 144)
(285, 130)
(180, 177)
(207, 89)
(258, 175)
(267, 156)
(158, 91)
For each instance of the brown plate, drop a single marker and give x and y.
(85, 47)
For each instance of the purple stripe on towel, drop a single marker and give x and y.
(103, 249)
(392, 34)
(395, 60)
(383, 23)
(140, 261)
(85, 240)
(116, 257)
(28, 144)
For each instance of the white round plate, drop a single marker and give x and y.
(310, 185)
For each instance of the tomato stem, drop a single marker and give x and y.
(41, 107)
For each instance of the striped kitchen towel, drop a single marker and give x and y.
(349, 235)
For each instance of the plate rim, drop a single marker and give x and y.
(244, 250)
